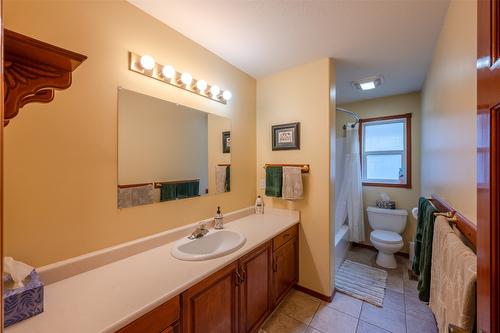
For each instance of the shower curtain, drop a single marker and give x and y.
(350, 201)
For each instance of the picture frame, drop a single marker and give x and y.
(286, 136)
(226, 142)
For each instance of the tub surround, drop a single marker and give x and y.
(109, 297)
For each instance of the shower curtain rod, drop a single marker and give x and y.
(354, 115)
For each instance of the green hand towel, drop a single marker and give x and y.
(228, 179)
(167, 192)
(423, 247)
(188, 189)
(274, 179)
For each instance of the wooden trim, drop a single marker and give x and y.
(32, 70)
(466, 227)
(315, 294)
(159, 184)
(133, 185)
(305, 168)
(387, 185)
(393, 117)
(406, 116)
(495, 34)
(371, 247)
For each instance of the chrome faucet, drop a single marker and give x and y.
(200, 231)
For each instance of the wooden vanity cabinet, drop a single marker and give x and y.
(255, 289)
(163, 319)
(285, 264)
(212, 304)
(236, 299)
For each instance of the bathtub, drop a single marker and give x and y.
(342, 245)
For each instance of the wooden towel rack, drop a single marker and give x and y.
(466, 227)
(304, 167)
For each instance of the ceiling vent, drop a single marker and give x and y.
(368, 83)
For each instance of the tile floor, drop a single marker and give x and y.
(402, 312)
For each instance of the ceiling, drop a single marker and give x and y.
(366, 38)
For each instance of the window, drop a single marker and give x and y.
(386, 151)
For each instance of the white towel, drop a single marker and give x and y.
(292, 183)
(220, 178)
(135, 196)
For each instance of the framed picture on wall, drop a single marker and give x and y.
(286, 136)
(226, 142)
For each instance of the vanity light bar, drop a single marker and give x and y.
(146, 65)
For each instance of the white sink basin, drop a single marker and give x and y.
(216, 243)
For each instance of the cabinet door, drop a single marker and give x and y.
(285, 268)
(211, 306)
(255, 289)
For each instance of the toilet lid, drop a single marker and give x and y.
(388, 237)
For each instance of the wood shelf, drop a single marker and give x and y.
(32, 70)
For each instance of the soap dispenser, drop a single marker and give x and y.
(218, 220)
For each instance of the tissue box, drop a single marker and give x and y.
(22, 303)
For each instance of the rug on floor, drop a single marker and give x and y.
(361, 281)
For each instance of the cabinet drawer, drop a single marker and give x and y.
(284, 237)
(172, 329)
(157, 320)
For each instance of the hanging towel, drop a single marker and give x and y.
(423, 247)
(188, 189)
(168, 192)
(228, 178)
(292, 188)
(135, 196)
(274, 179)
(220, 178)
(453, 279)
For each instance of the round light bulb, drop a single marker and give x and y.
(186, 78)
(168, 72)
(201, 85)
(147, 62)
(214, 90)
(227, 95)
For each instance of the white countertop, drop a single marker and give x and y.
(111, 296)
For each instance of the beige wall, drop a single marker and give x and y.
(387, 106)
(160, 141)
(61, 158)
(302, 94)
(449, 112)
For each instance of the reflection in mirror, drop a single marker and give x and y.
(168, 151)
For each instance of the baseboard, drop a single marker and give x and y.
(371, 247)
(315, 293)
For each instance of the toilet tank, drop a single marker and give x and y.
(387, 219)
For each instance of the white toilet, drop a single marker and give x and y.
(387, 225)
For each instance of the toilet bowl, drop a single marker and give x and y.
(387, 225)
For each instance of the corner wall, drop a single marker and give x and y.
(303, 94)
(449, 105)
(60, 159)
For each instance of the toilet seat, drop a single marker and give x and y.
(386, 237)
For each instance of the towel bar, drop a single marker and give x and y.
(304, 167)
(449, 216)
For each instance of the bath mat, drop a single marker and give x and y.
(361, 281)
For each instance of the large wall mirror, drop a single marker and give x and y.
(167, 151)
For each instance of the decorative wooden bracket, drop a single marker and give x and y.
(32, 70)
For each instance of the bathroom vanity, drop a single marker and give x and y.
(237, 298)
(153, 292)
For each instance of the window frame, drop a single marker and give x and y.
(407, 118)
